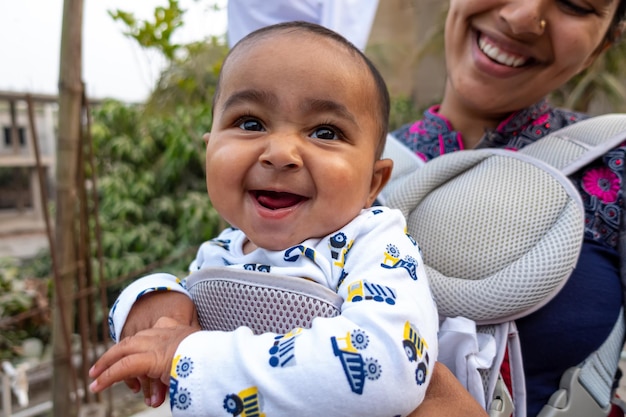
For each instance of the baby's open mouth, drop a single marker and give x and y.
(274, 200)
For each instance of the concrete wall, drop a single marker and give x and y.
(399, 32)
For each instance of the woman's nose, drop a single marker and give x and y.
(525, 16)
(281, 152)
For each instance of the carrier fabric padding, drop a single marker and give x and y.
(500, 231)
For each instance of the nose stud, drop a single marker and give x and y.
(542, 24)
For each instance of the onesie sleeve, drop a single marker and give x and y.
(374, 359)
(142, 286)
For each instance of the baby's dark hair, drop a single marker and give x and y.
(383, 101)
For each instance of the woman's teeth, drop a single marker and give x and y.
(499, 56)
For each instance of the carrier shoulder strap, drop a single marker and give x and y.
(567, 149)
(575, 146)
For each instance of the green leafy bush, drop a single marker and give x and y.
(152, 192)
(21, 292)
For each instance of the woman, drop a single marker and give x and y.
(503, 58)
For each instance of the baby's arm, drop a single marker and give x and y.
(151, 307)
(139, 302)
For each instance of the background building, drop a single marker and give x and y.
(22, 227)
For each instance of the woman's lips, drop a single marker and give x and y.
(496, 54)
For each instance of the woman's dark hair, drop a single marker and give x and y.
(615, 30)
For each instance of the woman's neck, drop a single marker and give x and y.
(470, 122)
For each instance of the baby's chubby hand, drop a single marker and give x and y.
(147, 354)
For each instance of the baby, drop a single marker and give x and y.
(293, 164)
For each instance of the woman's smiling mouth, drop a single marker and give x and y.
(498, 55)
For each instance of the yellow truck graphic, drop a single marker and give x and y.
(282, 352)
(180, 398)
(365, 290)
(416, 350)
(391, 260)
(354, 365)
(247, 403)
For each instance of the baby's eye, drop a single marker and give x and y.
(324, 133)
(251, 124)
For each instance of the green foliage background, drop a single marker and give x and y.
(153, 208)
(152, 193)
(150, 157)
(24, 287)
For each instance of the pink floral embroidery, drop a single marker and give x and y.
(540, 120)
(417, 127)
(602, 183)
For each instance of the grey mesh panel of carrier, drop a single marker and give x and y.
(228, 298)
(500, 231)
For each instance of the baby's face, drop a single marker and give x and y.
(291, 154)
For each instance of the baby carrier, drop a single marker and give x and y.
(500, 233)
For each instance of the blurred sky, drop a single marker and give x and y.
(113, 64)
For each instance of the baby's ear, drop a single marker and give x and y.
(380, 178)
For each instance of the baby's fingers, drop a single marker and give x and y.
(135, 365)
(154, 391)
(134, 384)
(159, 391)
(146, 388)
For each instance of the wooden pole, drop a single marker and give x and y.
(70, 100)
